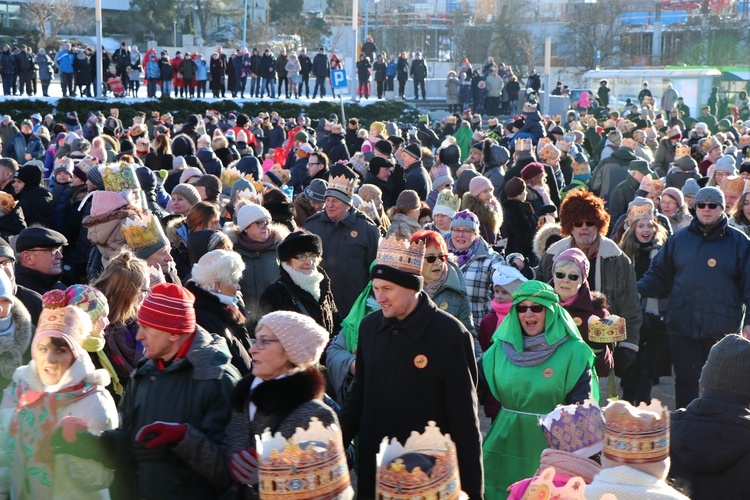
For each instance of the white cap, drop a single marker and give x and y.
(508, 277)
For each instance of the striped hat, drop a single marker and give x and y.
(168, 308)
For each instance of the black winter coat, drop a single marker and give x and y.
(12, 223)
(320, 66)
(305, 65)
(36, 204)
(36, 281)
(519, 226)
(336, 149)
(417, 178)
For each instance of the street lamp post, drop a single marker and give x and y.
(244, 26)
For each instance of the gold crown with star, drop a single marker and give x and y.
(401, 254)
(681, 151)
(542, 487)
(423, 468)
(577, 428)
(607, 330)
(119, 177)
(342, 184)
(142, 232)
(309, 465)
(448, 199)
(636, 435)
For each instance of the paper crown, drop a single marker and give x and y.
(448, 199)
(248, 195)
(155, 276)
(523, 144)
(627, 142)
(67, 319)
(549, 154)
(636, 435)
(7, 202)
(230, 176)
(401, 254)
(652, 186)
(638, 212)
(119, 177)
(680, 151)
(733, 185)
(710, 143)
(401, 473)
(542, 487)
(607, 330)
(143, 232)
(581, 168)
(343, 185)
(543, 142)
(310, 465)
(578, 429)
(563, 145)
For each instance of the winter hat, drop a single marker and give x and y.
(577, 257)
(508, 277)
(479, 184)
(188, 192)
(724, 124)
(674, 133)
(94, 175)
(690, 188)
(726, 164)
(494, 155)
(514, 187)
(87, 298)
(250, 213)
(440, 175)
(368, 192)
(189, 173)
(168, 308)
(29, 174)
(728, 366)
(316, 190)
(63, 165)
(414, 151)
(301, 337)
(241, 137)
(408, 200)
(465, 218)
(218, 265)
(68, 323)
(38, 237)
(710, 195)
(532, 170)
(640, 166)
(384, 147)
(376, 163)
(676, 194)
(302, 136)
(299, 242)
(212, 186)
(6, 250)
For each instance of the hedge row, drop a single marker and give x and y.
(180, 108)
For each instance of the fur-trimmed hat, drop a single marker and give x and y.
(299, 242)
(583, 206)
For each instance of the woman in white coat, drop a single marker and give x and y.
(57, 393)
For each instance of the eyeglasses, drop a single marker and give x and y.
(711, 206)
(571, 277)
(7, 263)
(311, 163)
(587, 224)
(261, 223)
(536, 308)
(305, 256)
(432, 258)
(262, 343)
(462, 231)
(52, 250)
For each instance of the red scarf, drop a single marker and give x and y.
(160, 364)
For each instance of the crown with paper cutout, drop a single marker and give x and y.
(542, 487)
(401, 254)
(636, 435)
(563, 145)
(652, 186)
(7, 202)
(119, 177)
(733, 185)
(710, 143)
(229, 176)
(607, 330)
(638, 212)
(524, 144)
(681, 151)
(448, 199)
(342, 184)
(309, 465)
(577, 428)
(143, 232)
(549, 154)
(423, 468)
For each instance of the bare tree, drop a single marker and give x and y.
(49, 17)
(592, 27)
(511, 38)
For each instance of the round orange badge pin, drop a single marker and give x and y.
(711, 262)
(420, 361)
(548, 372)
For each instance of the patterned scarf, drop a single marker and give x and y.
(535, 351)
(464, 256)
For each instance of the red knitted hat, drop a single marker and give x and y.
(168, 308)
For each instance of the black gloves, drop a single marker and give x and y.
(624, 358)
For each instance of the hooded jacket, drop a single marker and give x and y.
(610, 172)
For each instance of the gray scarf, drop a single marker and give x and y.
(536, 350)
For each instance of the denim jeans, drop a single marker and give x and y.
(166, 87)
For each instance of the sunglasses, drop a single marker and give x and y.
(432, 258)
(536, 308)
(571, 277)
(711, 206)
(587, 224)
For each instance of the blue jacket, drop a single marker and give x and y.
(64, 60)
(707, 278)
(17, 148)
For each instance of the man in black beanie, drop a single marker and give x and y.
(390, 180)
(411, 343)
(415, 175)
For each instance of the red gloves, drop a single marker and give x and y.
(244, 466)
(160, 433)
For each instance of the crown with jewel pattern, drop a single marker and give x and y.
(734, 184)
(681, 151)
(577, 429)
(447, 199)
(542, 487)
(563, 145)
(309, 465)
(607, 330)
(143, 232)
(636, 435)
(524, 144)
(423, 468)
(119, 177)
(652, 186)
(7, 202)
(343, 185)
(401, 254)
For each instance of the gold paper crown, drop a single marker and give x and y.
(7, 202)
(636, 435)
(119, 178)
(342, 184)
(733, 185)
(549, 153)
(638, 212)
(577, 429)
(652, 186)
(680, 151)
(310, 465)
(607, 330)
(711, 143)
(563, 145)
(395, 482)
(543, 142)
(401, 254)
(523, 144)
(143, 232)
(230, 176)
(542, 487)
(581, 168)
(448, 199)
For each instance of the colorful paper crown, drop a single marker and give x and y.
(310, 465)
(636, 435)
(401, 254)
(607, 330)
(523, 144)
(733, 185)
(400, 473)
(342, 184)
(542, 487)
(578, 429)
(638, 212)
(652, 186)
(230, 176)
(549, 154)
(681, 151)
(7, 202)
(543, 142)
(119, 177)
(143, 232)
(66, 319)
(710, 143)
(581, 168)
(448, 199)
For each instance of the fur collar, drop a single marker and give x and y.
(279, 396)
(607, 247)
(12, 347)
(279, 232)
(171, 225)
(207, 300)
(542, 235)
(488, 217)
(121, 213)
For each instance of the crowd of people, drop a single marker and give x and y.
(174, 294)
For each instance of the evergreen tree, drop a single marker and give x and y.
(284, 9)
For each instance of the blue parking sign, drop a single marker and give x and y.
(338, 79)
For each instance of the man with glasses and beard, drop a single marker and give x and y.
(706, 268)
(584, 222)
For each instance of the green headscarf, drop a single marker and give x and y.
(350, 324)
(557, 324)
